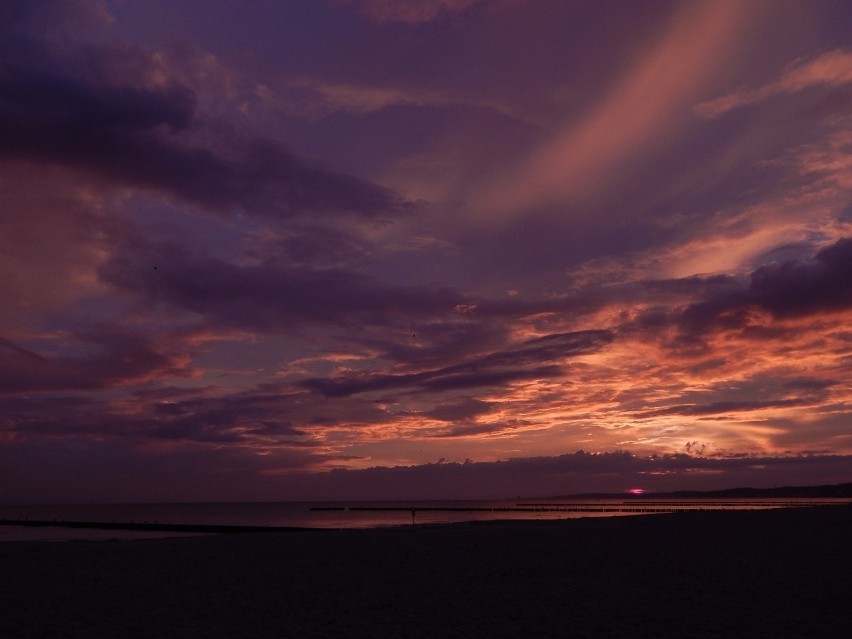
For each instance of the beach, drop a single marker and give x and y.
(698, 574)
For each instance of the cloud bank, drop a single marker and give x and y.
(307, 252)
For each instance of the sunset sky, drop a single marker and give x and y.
(301, 249)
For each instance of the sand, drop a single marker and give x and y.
(708, 574)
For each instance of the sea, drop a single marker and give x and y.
(341, 515)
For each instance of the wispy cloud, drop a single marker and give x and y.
(408, 12)
(530, 360)
(311, 97)
(832, 69)
(641, 107)
(7, 343)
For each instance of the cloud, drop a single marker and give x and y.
(118, 470)
(639, 110)
(110, 357)
(129, 131)
(7, 343)
(268, 297)
(461, 409)
(113, 133)
(832, 69)
(533, 359)
(241, 418)
(788, 289)
(497, 369)
(795, 288)
(480, 428)
(181, 283)
(576, 473)
(261, 419)
(409, 12)
(717, 408)
(51, 19)
(311, 97)
(53, 234)
(59, 102)
(769, 391)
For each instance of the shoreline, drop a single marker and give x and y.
(151, 526)
(9, 526)
(694, 574)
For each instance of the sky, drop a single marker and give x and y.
(390, 249)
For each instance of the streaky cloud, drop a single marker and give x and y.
(7, 343)
(268, 297)
(832, 69)
(646, 103)
(531, 360)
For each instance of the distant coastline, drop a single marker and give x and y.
(813, 492)
(24, 522)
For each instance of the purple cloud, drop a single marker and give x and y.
(148, 137)
(531, 360)
(788, 289)
(111, 357)
(268, 297)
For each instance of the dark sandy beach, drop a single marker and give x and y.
(706, 574)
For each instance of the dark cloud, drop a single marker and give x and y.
(48, 16)
(809, 384)
(746, 394)
(147, 136)
(110, 357)
(52, 114)
(268, 297)
(469, 429)
(437, 342)
(278, 418)
(116, 470)
(577, 473)
(110, 470)
(317, 246)
(795, 288)
(827, 429)
(6, 343)
(716, 408)
(789, 289)
(213, 421)
(112, 132)
(281, 419)
(655, 300)
(460, 409)
(530, 361)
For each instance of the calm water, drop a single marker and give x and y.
(356, 514)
